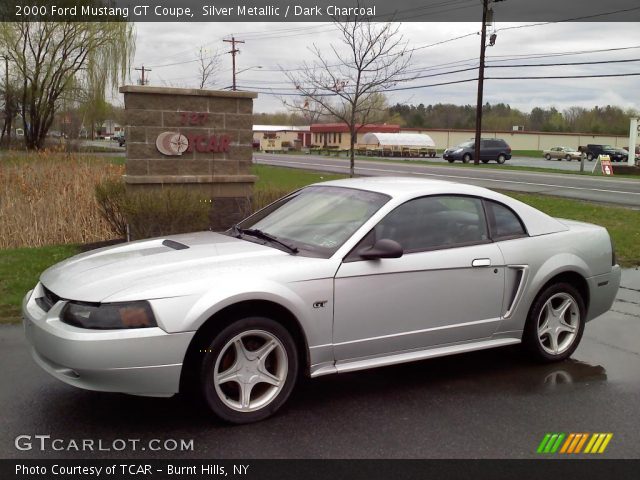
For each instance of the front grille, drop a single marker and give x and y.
(47, 300)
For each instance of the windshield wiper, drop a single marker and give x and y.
(254, 232)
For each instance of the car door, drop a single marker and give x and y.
(447, 287)
(485, 150)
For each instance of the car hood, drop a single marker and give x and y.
(169, 266)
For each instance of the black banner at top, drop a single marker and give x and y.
(318, 10)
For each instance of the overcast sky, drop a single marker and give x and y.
(275, 45)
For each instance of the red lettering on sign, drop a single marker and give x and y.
(224, 143)
(206, 144)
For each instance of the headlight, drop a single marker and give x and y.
(108, 316)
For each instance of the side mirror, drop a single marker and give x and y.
(383, 248)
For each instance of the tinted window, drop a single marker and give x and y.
(434, 222)
(504, 223)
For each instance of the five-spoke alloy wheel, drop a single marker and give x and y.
(556, 322)
(249, 370)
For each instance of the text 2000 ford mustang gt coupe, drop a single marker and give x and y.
(335, 277)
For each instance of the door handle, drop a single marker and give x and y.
(481, 262)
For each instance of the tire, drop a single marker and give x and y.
(590, 157)
(568, 158)
(466, 158)
(267, 381)
(547, 156)
(566, 328)
(450, 160)
(485, 161)
(501, 159)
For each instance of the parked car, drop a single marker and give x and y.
(615, 154)
(335, 277)
(490, 149)
(560, 153)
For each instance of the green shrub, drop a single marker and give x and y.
(168, 211)
(151, 212)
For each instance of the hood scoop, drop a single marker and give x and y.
(175, 245)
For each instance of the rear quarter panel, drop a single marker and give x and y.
(584, 249)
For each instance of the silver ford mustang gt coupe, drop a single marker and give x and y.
(335, 277)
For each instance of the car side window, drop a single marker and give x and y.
(503, 222)
(431, 223)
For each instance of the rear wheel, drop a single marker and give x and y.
(501, 159)
(466, 158)
(249, 370)
(555, 323)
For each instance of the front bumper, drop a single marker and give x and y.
(142, 361)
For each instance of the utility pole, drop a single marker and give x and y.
(483, 48)
(233, 52)
(142, 81)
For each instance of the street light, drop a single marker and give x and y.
(233, 87)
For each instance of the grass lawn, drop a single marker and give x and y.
(19, 272)
(20, 268)
(288, 178)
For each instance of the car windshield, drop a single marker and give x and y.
(315, 220)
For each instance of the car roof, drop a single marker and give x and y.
(404, 188)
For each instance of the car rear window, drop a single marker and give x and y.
(503, 222)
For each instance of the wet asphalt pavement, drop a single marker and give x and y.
(490, 404)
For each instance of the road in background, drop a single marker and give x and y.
(583, 187)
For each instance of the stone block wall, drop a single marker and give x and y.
(224, 177)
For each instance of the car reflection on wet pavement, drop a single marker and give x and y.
(493, 403)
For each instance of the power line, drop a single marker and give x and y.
(554, 77)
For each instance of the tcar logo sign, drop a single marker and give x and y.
(174, 144)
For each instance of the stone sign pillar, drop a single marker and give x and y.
(196, 139)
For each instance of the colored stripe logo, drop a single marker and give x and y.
(574, 443)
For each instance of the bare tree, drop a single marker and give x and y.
(347, 82)
(310, 110)
(208, 63)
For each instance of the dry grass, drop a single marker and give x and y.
(48, 198)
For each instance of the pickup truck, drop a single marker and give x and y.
(615, 154)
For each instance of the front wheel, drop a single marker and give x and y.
(249, 370)
(589, 157)
(547, 156)
(466, 158)
(555, 323)
(501, 159)
(450, 160)
(568, 158)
